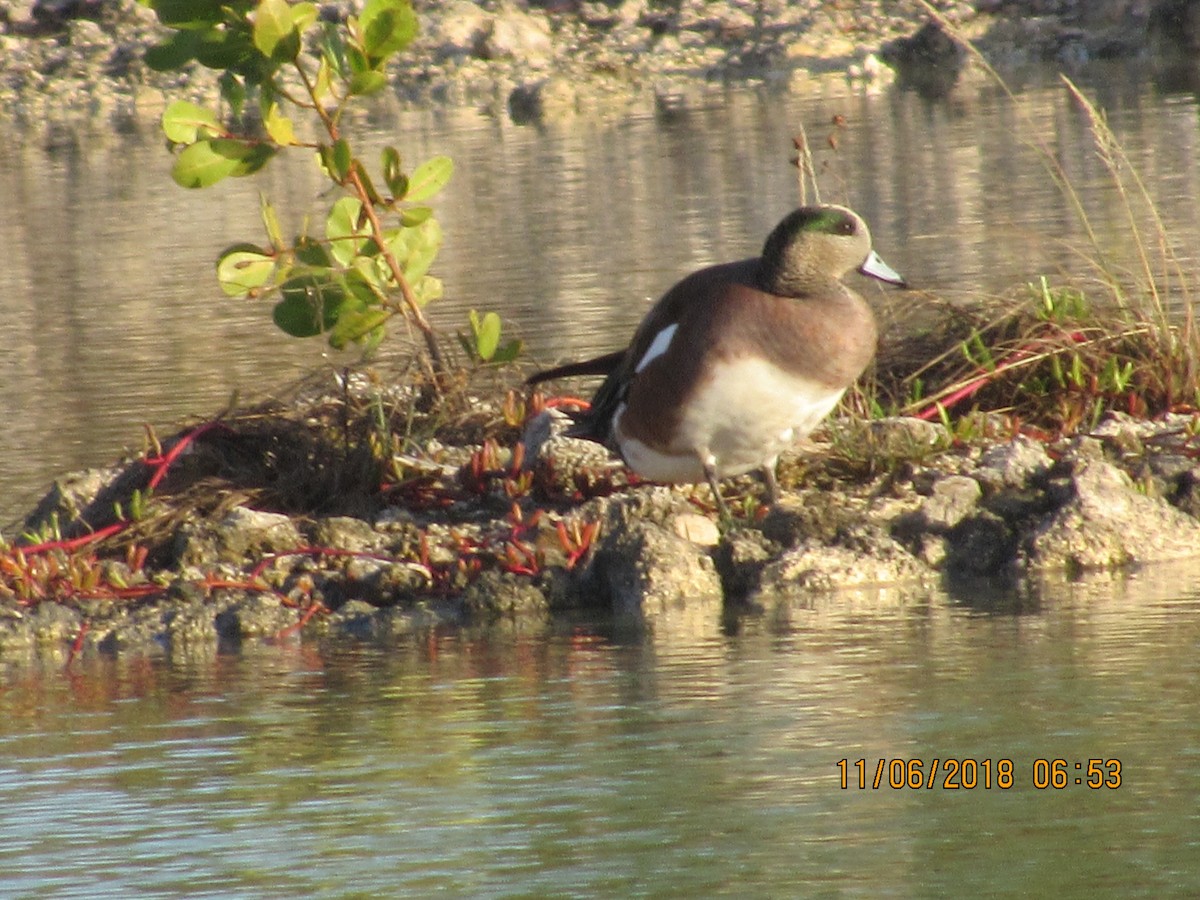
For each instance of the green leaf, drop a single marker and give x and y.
(323, 84)
(356, 61)
(366, 83)
(415, 215)
(278, 126)
(333, 50)
(309, 306)
(427, 289)
(370, 275)
(196, 15)
(184, 122)
(355, 324)
(233, 92)
(303, 16)
(275, 33)
(388, 26)
(429, 178)
(270, 222)
(345, 230)
(487, 334)
(372, 341)
(244, 268)
(172, 54)
(222, 49)
(336, 159)
(424, 243)
(208, 161)
(393, 175)
(342, 158)
(313, 253)
(509, 352)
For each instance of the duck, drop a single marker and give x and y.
(738, 361)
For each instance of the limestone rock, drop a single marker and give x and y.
(243, 534)
(814, 566)
(641, 567)
(1108, 523)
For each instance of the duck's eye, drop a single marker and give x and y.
(846, 226)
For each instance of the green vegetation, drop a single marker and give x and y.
(372, 260)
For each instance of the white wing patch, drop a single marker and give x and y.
(658, 347)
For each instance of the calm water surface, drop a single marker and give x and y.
(113, 317)
(579, 762)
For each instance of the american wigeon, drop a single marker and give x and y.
(739, 360)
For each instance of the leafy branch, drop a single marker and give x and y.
(373, 260)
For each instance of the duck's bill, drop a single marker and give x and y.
(877, 268)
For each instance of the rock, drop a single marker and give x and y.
(495, 594)
(1123, 433)
(979, 545)
(928, 61)
(244, 534)
(1187, 497)
(808, 516)
(190, 627)
(257, 615)
(904, 436)
(697, 529)
(382, 582)
(951, 500)
(347, 533)
(741, 557)
(1107, 523)
(514, 34)
(876, 560)
(542, 100)
(70, 497)
(459, 30)
(641, 568)
(1013, 464)
(567, 467)
(57, 13)
(17, 16)
(54, 623)
(355, 619)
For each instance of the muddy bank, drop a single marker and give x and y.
(66, 62)
(287, 523)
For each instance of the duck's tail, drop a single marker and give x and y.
(600, 365)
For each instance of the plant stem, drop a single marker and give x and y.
(411, 308)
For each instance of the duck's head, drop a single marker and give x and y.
(814, 245)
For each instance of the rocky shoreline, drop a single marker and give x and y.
(469, 530)
(65, 64)
(308, 520)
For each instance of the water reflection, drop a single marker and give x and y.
(568, 762)
(570, 229)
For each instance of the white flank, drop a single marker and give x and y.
(743, 419)
(658, 347)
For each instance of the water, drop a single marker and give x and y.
(113, 317)
(573, 760)
(577, 762)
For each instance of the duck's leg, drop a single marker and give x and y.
(768, 474)
(710, 473)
